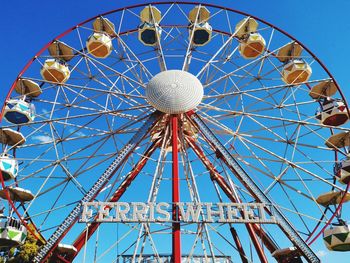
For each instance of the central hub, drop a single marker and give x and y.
(174, 91)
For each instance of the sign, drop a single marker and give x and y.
(111, 212)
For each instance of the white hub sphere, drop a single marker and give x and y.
(174, 91)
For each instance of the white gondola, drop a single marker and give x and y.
(19, 111)
(11, 137)
(200, 27)
(8, 167)
(332, 112)
(337, 237)
(99, 45)
(17, 194)
(296, 71)
(55, 70)
(149, 30)
(342, 171)
(27, 87)
(252, 46)
(12, 232)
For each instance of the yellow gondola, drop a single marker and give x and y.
(149, 31)
(252, 44)
(55, 70)
(289, 52)
(323, 90)
(296, 71)
(99, 45)
(61, 51)
(332, 198)
(11, 137)
(27, 87)
(200, 27)
(17, 194)
(338, 140)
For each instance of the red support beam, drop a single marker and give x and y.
(215, 176)
(255, 228)
(238, 245)
(130, 177)
(227, 190)
(176, 235)
(62, 259)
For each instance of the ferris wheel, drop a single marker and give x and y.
(174, 132)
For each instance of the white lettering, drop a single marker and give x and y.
(232, 212)
(192, 212)
(162, 212)
(139, 210)
(151, 211)
(87, 212)
(222, 218)
(189, 212)
(103, 213)
(120, 214)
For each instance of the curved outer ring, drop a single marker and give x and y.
(162, 3)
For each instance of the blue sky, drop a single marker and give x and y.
(323, 26)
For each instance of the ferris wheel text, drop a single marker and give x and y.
(176, 212)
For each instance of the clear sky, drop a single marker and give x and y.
(322, 25)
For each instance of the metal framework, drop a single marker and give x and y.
(252, 138)
(287, 228)
(87, 233)
(253, 229)
(60, 232)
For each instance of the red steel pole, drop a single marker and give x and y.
(176, 235)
